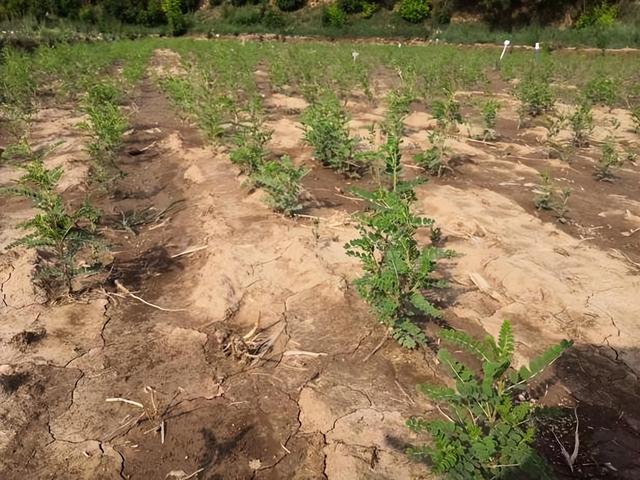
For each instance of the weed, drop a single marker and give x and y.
(326, 130)
(581, 121)
(397, 270)
(535, 96)
(490, 110)
(609, 161)
(488, 430)
(281, 180)
(548, 197)
(58, 232)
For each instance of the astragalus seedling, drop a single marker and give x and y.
(326, 129)
(281, 179)
(58, 232)
(550, 197)
(397, 270)
(581, 121)
(435, 159)
(447, 112)
(393, 129)
(106, 125)
(635, 118)
(609, 161)
(490, 110)
(487, 430)
(535, 95)
(250, 140)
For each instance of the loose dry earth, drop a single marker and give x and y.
(316, 404)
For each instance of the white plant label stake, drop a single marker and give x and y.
(537, 50)
(354, 54)
(504, 50)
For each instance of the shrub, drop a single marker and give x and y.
(397, 270)
(600, 16)
(548, 197)
(326, 129)
(601, 90)
(273, 18)
(289, 5)
(369, 9)
(57, 231)
(414, 11)
(281, 180)
(488, 430)
(175, 18)
(581, 121)
(334, 16)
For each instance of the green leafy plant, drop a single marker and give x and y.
(549, 197)
(414, 11)
(175, 18)
(601, 90)
(393, 128)
(447, 112)
(535, 96)
(490, 110)
(326, 129)
(57, 231)
(251, 138)
(106, 125)
(581, 121)
(397, 270)
(488, 430)
(281, 180)
(334, 16)
(609, 160)
(601, 16)
(435, 159)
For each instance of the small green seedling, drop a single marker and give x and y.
(58, 232)
(397, 270)
(490, 110)
(487, 429)
(609, 161)
(549, 197)
(281, 179)
(434, 160)
(581, 121)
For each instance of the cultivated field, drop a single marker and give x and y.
(184, 306)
